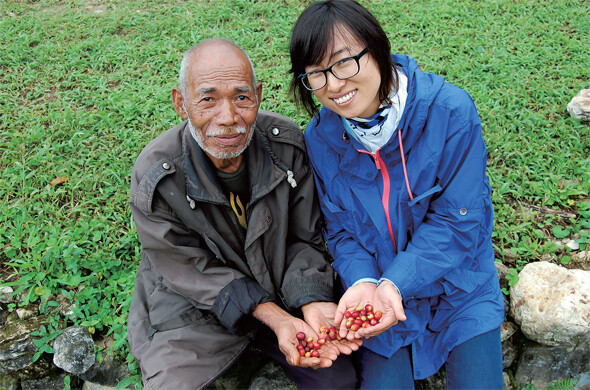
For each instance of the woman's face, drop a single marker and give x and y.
(357, 96)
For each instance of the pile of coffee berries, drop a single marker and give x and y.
(362, 317)
(309, 348)
(328, 333)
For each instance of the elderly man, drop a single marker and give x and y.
(226, 213)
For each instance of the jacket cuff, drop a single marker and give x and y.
(236, 302)
(305, 290)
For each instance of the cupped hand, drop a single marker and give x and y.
(287, 336)
(318, 314)
(346, 346)
(286, 327)
(389, 302)
(357, 295)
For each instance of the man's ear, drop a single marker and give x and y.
(259, 93)
(178, 101)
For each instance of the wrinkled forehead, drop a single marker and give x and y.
(225, 63)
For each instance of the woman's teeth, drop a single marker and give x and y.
(345, 98)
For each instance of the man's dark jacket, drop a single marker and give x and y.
(199, 268)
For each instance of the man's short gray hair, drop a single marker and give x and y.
(183, 75)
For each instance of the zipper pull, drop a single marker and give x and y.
(378, 160)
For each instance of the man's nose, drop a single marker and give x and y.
(227, 113)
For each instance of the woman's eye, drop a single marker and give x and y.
(344, 61)
(315, 75)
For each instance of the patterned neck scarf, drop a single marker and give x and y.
(374, 132)
(377, 119)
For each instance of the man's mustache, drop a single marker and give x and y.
(222, 131)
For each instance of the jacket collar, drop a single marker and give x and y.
(422, 90)
(202, 183)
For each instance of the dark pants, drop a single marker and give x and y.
(475, 364)
(341, 375)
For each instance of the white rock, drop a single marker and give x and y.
(23, 314)
(6, 290)
(579, 106)
(74, 351)
(552, 304)
(573, 245)
(5, 293)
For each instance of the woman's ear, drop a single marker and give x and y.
(178, 101)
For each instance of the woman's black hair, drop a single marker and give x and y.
(313, 33)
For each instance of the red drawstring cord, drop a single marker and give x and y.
(380, 164)
(401, 151)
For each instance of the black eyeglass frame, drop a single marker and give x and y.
(329, 69)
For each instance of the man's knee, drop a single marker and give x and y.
(189, 357)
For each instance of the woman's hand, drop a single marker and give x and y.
(358, 295)
(389, 302)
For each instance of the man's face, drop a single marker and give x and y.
(220, 101)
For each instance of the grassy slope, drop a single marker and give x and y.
(85, 85)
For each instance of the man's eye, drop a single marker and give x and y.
(242, 97)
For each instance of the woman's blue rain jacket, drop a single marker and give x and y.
(441, 258)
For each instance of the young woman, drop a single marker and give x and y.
(400, 162)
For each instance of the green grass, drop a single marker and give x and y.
(86, 84)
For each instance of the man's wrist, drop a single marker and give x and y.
(270, 314)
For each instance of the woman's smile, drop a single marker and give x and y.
(346, 98)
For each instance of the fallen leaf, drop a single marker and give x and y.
(57, 181)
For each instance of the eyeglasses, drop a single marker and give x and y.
(342, 69)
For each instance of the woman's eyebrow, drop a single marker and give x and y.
(338, 52)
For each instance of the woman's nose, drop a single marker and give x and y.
(333, 83)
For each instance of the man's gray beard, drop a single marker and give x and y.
(219, 155)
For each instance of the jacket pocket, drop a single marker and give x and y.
(416, 208)
(461, 289)
(169, 310)
(458, 285)
(164, 304)
(428, 193)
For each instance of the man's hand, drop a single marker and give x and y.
(388, 300)
(318, 314)
(286, 328)
(358, 295)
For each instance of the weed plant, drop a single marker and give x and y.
(85, 85)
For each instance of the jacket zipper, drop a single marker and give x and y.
(382, 167)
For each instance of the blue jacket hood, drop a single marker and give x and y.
(422, 91)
